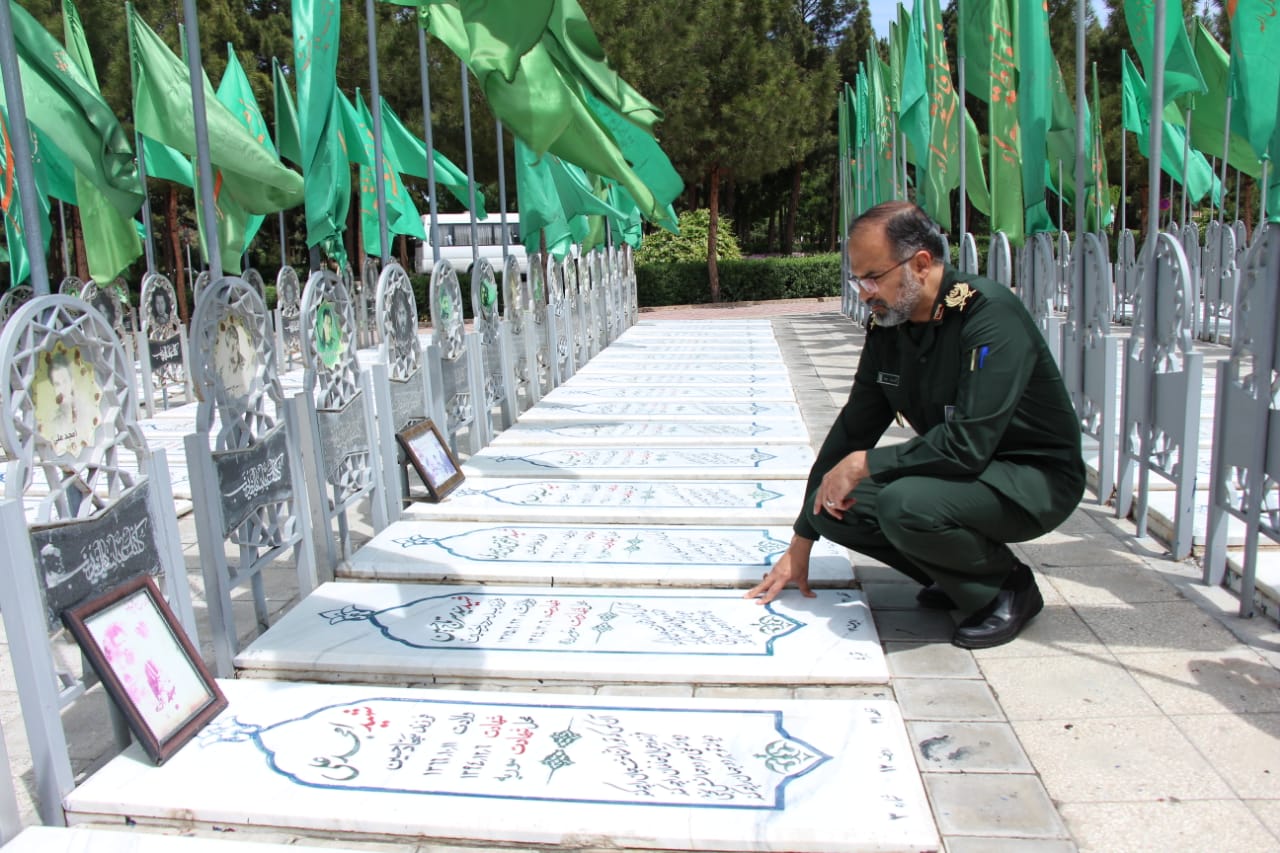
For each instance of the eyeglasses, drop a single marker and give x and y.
(866, 282)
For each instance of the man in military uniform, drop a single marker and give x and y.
(996, 458)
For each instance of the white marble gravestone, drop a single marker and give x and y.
(618, 501)
(818, 775)
(614, 433)
(409, 633)
(647, 411)
(729, 372)
(572, 456)
(84, 839)
(669, 555)
(581, 393)
(650, 376)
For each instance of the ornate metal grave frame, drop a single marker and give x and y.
(494, 355)
(594, 298)
(103, 520)
(1160, 406)
(248, 491)
(1128, 277)
(579, 311)
(1062, 295)
(1221, 281)
(522, 332)
(162, 350)
(543, 337)
(13, 299)
(400, 379)
(1244, 475)
(1037, 283)
(968, 253)
(365, 292)
(288, 324)
(201, 284)
(70, 286)
(560, 321)
(453, 361)
(1000, 259)
(633, 295)
(336, 409)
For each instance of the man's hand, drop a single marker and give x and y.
(792, 567)
(838, 483)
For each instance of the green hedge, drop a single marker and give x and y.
(747, 280)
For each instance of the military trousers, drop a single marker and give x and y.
(950, 531)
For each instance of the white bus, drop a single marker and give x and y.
(455, 242)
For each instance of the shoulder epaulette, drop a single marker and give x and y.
(959, 295)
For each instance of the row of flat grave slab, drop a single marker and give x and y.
(402, 764)
(668, 411)
(580, 459)
(418, 633)
(573, 392)
(617, 501)
(617, 433)
(85, 839)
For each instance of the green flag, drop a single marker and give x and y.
(286, 114)
(1098, 213)
(913, 117)
(893, 77)
(630, 228)
(1181, 72)
(410, 153)
(67, 107)
(111, 242)
(316, 25)
(402, 216)
(978, 38)
(353, 131)
(1208, 122)
(60, 175)
(1060, 142)
(1255, 72)
(643, 152)
(1006, 142)
(163, 163)
(943, 172)
(882, 127)
(1035, 108)
(1200, 179)
(236, 95)
(15, 228)
(975, 174)
(552, 195)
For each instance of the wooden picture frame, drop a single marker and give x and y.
(148, 665)
(425, 449)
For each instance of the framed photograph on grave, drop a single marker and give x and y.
(425, 449)
(147, 664)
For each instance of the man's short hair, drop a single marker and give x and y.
(907, 228)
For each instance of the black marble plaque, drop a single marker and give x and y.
(253, 477)
(80, 559)
(343, 433)
(165, 353)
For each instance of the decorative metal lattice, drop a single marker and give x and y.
(69, 403)
(1000, 259)
(203, 279)
(289, 303)
(254, 279)
(13, 299)
(448, 334)
(107, 301)
(70, 286)
(516, 304)
(161, 326)
(535, 288)
(397, 313)
(485, 308)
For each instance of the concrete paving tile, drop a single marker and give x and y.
(1244, 748)
(1117, 759)
(915, 626)
(677, 691)
(1268, 813)
(844, 691)
(1077, 550)
(1207, 683)
(885, 595)
(1110, 585)
(1158, 627)
(998, 805)
(946, 699)
(964, 747)
(929, 660)
(730, 691)
(869, 571)
(1071, 688)
(969, 844)
(1056, 631)
(1185, 826)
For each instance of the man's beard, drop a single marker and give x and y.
(901, 308)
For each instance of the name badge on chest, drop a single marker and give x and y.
(887, 379)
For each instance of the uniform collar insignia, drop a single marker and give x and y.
(959, 295)
(937, 313)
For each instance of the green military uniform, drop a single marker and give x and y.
(996, 458)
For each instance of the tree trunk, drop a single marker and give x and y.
(175, 245)
(833, 241)
(772, 236)
(713, 267)
(731, 196)
(77, 237)
(404, 253)
(789, 233)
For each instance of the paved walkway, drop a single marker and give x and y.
(1136, 713)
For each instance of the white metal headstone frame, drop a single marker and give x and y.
(400, 380)
(70, 286)
(1037, 284)
(1128, 277)
(629, 261)
(365, 294)
(337, 409)
(999, 259)
(1221, 278)
(459, 386)
(542, 335)
(288, 323)
(594, 298)
(495, 357)
(560, 323)
(1062, 295)
(249, 490)
(254, 279)
(1244, 476)
(163, 342)
(519, 331)
(70, 415)
(202, 282)
(1160, 411)
(12, 299)
(579, 310)
(968, 253)
(108, 304)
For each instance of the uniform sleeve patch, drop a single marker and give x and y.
(959, 295)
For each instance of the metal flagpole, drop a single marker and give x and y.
(893, 161)
(502, 193)
(1062, 226)
(203, 165)
(471, 172)
(146, 205)
(1237, 216)
(379, 165)
(1186, 156)
(1262, 186)
(1124, 180)
(1075, 305)
(284, 254)
(962, 124)
(62, 225)
(1226, 152)
(20, 141)
(425, 74)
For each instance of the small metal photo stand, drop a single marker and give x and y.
(426, 450)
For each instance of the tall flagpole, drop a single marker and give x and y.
(1186, 157)
(379, 175)
(425, 74)
(62, 225)
(471, 171)
(1226, 152)
(502, 193)
(20, 140)
(203, 165)
(963, 122)
(146, 205)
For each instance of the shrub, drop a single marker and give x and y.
(691, 243)
(748, 279)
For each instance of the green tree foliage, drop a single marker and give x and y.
(691, 243)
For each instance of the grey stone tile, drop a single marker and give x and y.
(929, 660)
(969, 844)
(1268, 813)
(915, 626)
(1185, 826)
(1071, 688)
(743, 692)
(997, 805)
(1057, 630)
(869, 571)
(844, 691)
(1207, 682)
(885, 595)
(1158, 627)
(1118, 759)
(1244, 748)
(963, 747)
(1110, 585)
(946, 699)
(1064, 549)
(678, 691)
